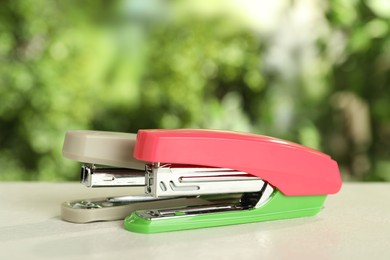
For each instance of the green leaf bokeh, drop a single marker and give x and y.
(306, 71)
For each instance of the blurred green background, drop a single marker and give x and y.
(314, 72)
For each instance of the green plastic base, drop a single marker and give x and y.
(278, 207)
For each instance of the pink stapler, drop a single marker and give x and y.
(198, 178)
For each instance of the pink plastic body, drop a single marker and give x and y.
(294, 169)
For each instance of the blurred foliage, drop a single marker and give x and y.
(305, 71)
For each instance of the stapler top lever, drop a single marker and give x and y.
(294, 169)
(199, 178)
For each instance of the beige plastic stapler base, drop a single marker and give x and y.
(83, 215)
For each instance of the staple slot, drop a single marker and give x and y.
(217, 178)
(182, 188)
(162, 186)
(198, 210)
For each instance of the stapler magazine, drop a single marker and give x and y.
(195, 178)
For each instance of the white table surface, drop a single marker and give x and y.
(355, 224)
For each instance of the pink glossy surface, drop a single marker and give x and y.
(294, 169)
